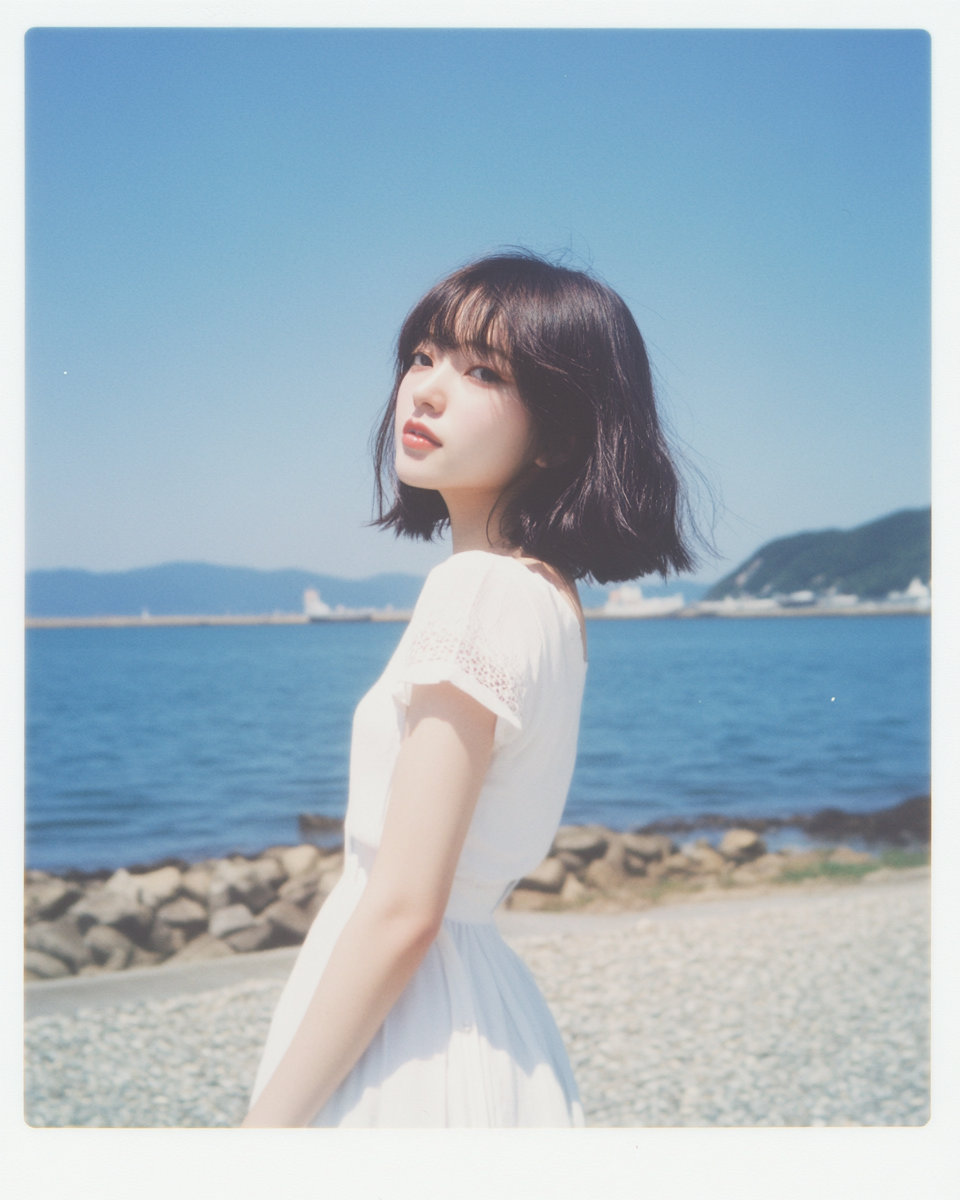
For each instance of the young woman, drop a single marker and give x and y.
(523, 416)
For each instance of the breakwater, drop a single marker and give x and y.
(174, 911)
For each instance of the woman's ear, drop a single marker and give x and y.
(557, 454)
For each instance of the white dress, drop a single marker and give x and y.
(470, 1042)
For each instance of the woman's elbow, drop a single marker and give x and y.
(413, 921)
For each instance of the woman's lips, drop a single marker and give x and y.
(417, 437)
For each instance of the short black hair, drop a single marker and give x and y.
(611, 506)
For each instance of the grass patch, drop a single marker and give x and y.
(899, 859)
(893, 858)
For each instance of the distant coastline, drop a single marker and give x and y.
(868, 608)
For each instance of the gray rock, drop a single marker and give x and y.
(259, 936)
(62, 939)
(109, 906)
(704, 855)
(606, 874)
(678, 865)
(105, 941)
(230, 920)
(760, 870)
(269, 870)
(740, 845)
(157, 887)
(586, 841)
(648, 847)
(300, 889)
(47, 899)
(166, 939)
(290, 922)
(299, 860)
(119, 959)
(237, 881)
(44, 966)
(196, 883)
(185, 914)
(203, 947)
(144, 958)
(547, 877)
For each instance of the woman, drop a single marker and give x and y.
(523, 416)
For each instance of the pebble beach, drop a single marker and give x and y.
(806, 1006)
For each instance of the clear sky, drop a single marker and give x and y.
(227, 227)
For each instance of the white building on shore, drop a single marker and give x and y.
(629, 601)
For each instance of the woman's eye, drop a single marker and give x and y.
(420, 359)
(485, 375)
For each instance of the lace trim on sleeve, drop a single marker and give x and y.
(470, 647)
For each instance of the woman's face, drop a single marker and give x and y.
(460, 423)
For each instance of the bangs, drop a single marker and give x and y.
(458, 315)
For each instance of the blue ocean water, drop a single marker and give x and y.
(147, 742)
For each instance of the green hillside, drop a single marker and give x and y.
(869, 561)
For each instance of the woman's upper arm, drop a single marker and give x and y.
(443, 759)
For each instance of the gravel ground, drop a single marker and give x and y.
(792, 1010)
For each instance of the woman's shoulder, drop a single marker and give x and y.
(516, 589)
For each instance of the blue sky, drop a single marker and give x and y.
(226, 228)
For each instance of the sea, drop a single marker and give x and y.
(191, 742)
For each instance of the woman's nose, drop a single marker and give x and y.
(432, 388)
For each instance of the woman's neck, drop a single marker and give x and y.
(474, 525)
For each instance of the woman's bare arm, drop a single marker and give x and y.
(439, 772)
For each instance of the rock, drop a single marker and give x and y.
(47, 899)
(298, 860)
(108, 906)
(300, 890)
(527, 900)
(803, 860)
(587, 842)
(573, 891)
(237, 881)
(648, 847)
(547, 877)
(196, 883)
(61, 938)
(290, 922)
(166, 940)
(185, 914)
(634, 865)
(202, 947)
(760, 870)
(231, 919)
(330, 878)
(119, 959)
(705, 857)
(123, 883)
(741, 845)
(105, 941)
(605, 875)
(678, 865)
(157, 887)
(269, 870)
(258, 936)
(845, 857)
(144, 958)
(44, 966)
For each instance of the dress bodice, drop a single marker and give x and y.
(506, 636)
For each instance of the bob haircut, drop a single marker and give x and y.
(609, 503)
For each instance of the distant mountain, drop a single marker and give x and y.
(201, 588)
(869, 561)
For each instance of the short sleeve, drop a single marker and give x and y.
(475, 626)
